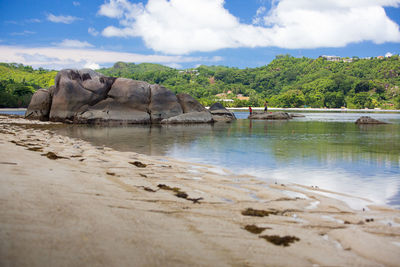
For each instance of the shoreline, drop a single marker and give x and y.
(279, 109)
(321, 110)
(67, 202)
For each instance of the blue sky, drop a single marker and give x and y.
(186, 33)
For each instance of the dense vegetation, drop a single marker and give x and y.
(285, 82)
(19, 82)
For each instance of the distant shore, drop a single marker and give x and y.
(22, 110)
(66, 202)
(320, 110)
(12, 109)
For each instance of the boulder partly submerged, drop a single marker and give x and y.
(274, 116)
(369, 120)
(85, 96)
(39, 107)
(221, 114)
(270, 116)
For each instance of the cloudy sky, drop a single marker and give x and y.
(185, 33)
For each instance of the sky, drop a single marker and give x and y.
(184, 34)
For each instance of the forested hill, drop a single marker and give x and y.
(285, 82)
(19, 82)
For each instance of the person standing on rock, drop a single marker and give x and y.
(250, 111)
(265, 107)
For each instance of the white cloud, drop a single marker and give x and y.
(60, 57)
(74, 44)
(388, 54)
(33, 20)
(24, 33)
(91, 65)
(93, 31)
(181, 26)
(174, 65)
(75, 3)
(120, 9)
(62, 19)
(259, 17)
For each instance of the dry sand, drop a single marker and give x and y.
(94, 206)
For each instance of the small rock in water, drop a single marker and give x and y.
(368, 120)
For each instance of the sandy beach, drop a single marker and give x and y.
(65, 202)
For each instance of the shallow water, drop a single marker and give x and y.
(20, 112)
(323, 149)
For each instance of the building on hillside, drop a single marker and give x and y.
(242, 97)
(347, 60)
(331, 58)
(195, 72)
(221, 95)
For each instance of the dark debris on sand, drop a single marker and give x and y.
(258, 213)
(254, 229)
(284, 241)
(138, 164)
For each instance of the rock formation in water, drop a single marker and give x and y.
(221, 114)
(85, 96)
(274, 116)
(369, 120)
(270, 116)
(39, 107)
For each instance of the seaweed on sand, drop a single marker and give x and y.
(280, 240)
(148, 189)
(166, 187)
(254, 229)
(138, 164)
(179, 193)
(53, 156)
(35, 148)
(258, 213)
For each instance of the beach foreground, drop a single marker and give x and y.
(65, 202)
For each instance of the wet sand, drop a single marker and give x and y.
(65, 202)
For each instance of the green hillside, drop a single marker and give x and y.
(285, 82)
(143, 71)
(19, 82)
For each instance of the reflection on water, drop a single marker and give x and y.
(145, 139)
(323, 149)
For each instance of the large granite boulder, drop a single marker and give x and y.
(75, 90)
(188, 118)
(369, 120)
(270, 116)
(110, 111)
(85, 96)
(216, 106)
(164, 104)
(189, 104)
(221, 114)
(127, 102)
(39, 107)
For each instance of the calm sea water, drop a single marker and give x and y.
(323, 149)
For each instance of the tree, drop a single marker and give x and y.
(362, 100)
(292, 99)
(334, 100)
(362, 86)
